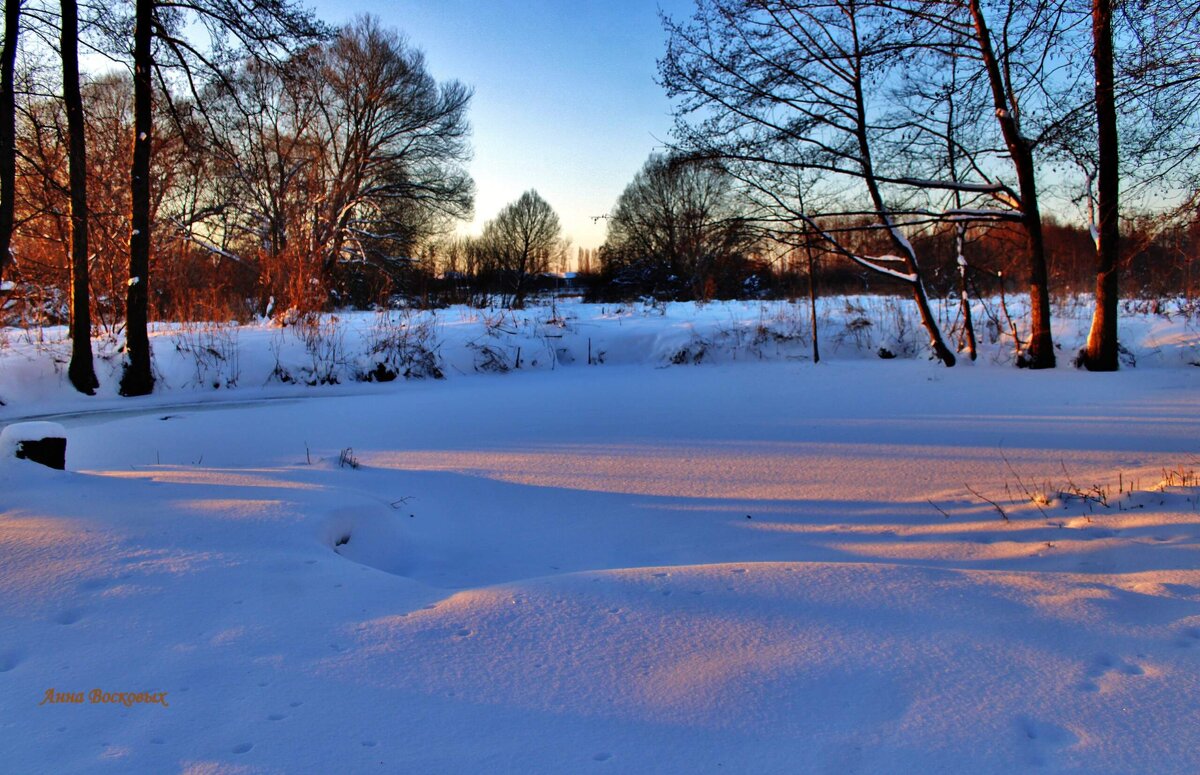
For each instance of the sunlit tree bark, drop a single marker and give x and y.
(1101, 351)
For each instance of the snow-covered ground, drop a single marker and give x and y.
(752, 565)
(216, 362)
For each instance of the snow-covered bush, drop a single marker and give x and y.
(402, 343)
(324, 346)
(213, 349)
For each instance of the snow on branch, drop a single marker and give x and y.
(949, 185)
(981, 213)
(204, 244)
(870, 263)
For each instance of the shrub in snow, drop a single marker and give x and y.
(491, 359)
(324, 346)
(402, 343)
(213, 350)
(347, 459)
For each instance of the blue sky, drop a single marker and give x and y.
(565, 97)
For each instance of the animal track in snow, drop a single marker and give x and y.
(1043, 738)
(1103, 665)
(1189, 637)
(69, 616)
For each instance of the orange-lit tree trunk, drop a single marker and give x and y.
(1101, 351)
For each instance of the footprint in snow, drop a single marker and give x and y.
(10, 659)
(242, 747)
(1043, 738)
(1105, 664)
(69, 616)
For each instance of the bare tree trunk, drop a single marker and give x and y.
(899, 241)
(1039, 354)
(812, 299)
(138, 380)
(8, 128)
(82, 371)
(960, 228)
(960, 238)
(1101, 351)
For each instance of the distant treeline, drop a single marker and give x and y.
(250, 160)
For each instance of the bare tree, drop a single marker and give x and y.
(338, 162)
(676, 227)
(256, 209)
(393, 148)
(521, 241)
(8, 128)
(1144, 146)
(137, 379)
(81, 370)
(265, 29)
(785, 93)
(1158, 91)
(1005, 89)
(936, 88)
(1100, 353)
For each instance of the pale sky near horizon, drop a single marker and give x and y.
(565, 95)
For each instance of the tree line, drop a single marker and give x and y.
(244, 158)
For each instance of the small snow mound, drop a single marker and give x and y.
(13, 435)
(39, 442)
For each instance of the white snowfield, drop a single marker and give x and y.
(752, 564)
